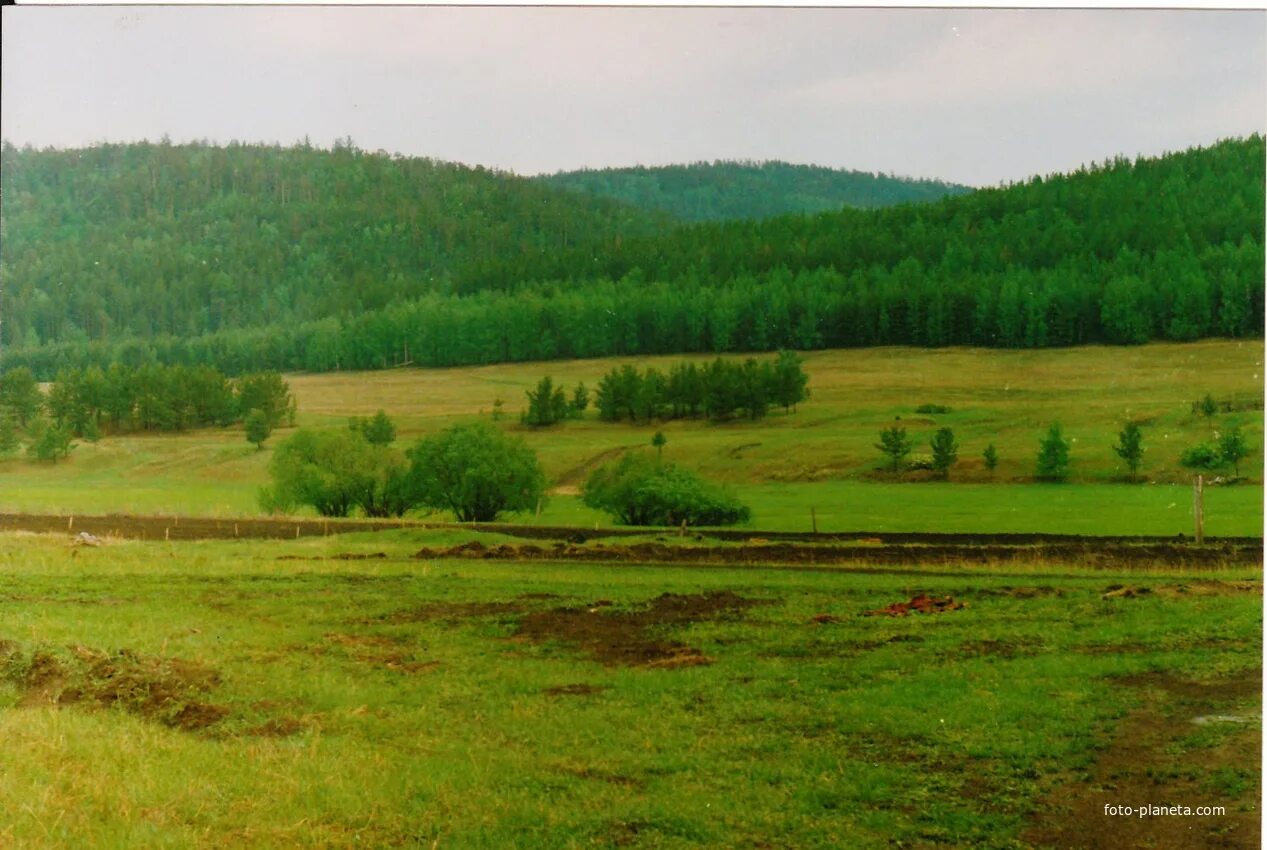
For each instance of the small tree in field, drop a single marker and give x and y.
(945, 451)
(50, 442)
(1053, 455)
(547, 404)
(659, 441)
(257, 427)
(379, 430)
(895, 445)
(1130, 447)
(475, 471)
(580, 401)
(1233, 448)
(991, 458)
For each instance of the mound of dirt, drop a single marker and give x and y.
(167, 690)
(920, 604)
(631, 637)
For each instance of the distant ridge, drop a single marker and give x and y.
(727, 190)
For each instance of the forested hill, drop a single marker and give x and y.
(1126, 214)
(148, 239)
(1125, 252)
(737, 190)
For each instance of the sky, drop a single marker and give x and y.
(972, 96)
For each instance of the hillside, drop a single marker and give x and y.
(1167, 248)
(147, 239)
(737, 190)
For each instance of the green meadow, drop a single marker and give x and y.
(267, 694)
(822, 457)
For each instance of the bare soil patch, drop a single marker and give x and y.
(170, 691)
(1099, 554)
(633, 638)
(1140, 765)
(580, 689)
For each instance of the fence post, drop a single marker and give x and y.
(1198, 507)
(813, 518)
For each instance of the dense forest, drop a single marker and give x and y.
(721, 191)
(146, 240)
(1124, 252)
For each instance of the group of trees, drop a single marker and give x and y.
(1053, 462)
(548, 404)
(714, 191)
(718, 390)
(86, 403)
(472, 470)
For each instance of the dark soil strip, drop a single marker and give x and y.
(1100, 554)
(212, 528)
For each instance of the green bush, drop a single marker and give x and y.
(637, 490)
(1202, 456)
(932, 408)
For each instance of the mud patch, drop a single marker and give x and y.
(341, 556)
(167, 690)
(631, 638)
(1140, 765)
(1005, 649)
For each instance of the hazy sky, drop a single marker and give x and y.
(975, 96)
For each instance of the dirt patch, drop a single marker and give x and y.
(920, 604)
(632, 638)
(170, 691)
(1139, 766)
(868, 551)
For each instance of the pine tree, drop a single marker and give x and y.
(893, 442)
(945, 451)
(1053, 455)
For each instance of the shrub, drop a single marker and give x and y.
(1203, 456)
(257, 428)
(639, 491)
(475, 471)
(1233, 448)
(932, 408)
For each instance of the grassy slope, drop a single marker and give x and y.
(823, 456)
(798, 735)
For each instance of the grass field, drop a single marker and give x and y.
(821, 457)
(215, 695)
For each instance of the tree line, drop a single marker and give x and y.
(88, 402)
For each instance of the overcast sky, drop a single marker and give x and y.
(974, 96)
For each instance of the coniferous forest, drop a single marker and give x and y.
(735, 190)
(248, 258)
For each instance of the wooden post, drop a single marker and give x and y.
(813, 518)
(235, 529)
(296, 531)
(1198, 507)
(70, 523)
(538, 507)
(167, 534)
